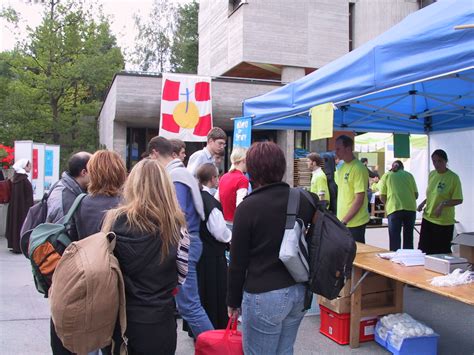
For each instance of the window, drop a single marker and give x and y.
(235, 4)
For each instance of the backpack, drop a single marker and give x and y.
(88, 295)
(36, 215)
(5, 190)
(46, 246)
(293, 249)
(332, 251)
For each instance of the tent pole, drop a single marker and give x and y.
(429, 152)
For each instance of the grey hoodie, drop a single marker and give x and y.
(62, 198)
(180, 174)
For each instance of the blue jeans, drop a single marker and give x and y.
(270, 320)
(395, 222)
(187, 299)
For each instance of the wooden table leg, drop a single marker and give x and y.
(355, 308)
(398, 295)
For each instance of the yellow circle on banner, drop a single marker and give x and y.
(185, 119)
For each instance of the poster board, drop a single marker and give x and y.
(37, 170)
(24, 150)
(44, 160)
(51, 165)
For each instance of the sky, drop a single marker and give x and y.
(121, 12)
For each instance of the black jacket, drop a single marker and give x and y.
(211, 246)
(149, 280)
(90, 214)
(257, 233)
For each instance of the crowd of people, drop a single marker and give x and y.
(174, 225)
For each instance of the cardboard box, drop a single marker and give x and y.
(444, 263)
(466, 245)
(343, 304)
(371, 284)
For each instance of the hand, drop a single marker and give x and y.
(438, 210)
(233, 312)
(420, 207)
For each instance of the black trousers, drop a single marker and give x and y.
(435, 238)
(358, 233)
(57, 346)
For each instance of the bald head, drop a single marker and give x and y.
(77, 163)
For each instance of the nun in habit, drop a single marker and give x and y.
(20, 202)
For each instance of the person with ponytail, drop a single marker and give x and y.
(399, 193)
(233, 186)
(442, 194)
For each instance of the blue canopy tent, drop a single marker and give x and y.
(417, 77)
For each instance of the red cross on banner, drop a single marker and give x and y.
(186, 107)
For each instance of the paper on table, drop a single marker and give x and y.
(406, 257)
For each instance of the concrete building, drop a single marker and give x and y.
(249, 47)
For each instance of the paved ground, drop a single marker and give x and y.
(24, 316)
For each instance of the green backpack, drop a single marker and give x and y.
(46, 246)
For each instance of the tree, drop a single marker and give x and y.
(184, 52)
(154, 37)
(57, 80)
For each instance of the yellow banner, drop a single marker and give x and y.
(322, 118)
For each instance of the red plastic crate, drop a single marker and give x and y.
(337, 326)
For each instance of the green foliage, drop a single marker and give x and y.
(154, 37)
(53, 85)
(184, 52)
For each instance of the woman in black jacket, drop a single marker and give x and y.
(152, 250)
(259, 285)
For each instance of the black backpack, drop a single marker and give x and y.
(332, 251)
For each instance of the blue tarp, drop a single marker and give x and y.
(416, 77)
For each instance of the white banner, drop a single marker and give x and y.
(186, 107)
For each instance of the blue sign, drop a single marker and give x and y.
(242, 132)
(48, 162)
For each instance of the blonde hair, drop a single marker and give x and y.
(238, 154)
(107, 173)
(150, 204)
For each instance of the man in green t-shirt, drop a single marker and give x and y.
(351, 179)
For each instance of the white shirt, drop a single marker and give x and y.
(216, 224)
(199, 158)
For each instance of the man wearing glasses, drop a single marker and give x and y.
(216, 142)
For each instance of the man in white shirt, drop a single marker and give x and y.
(216, 142)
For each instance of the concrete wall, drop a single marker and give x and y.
(106, 124)
(372, 18)
(220, 37)
(297, 33)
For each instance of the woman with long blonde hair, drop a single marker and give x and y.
(152, 247)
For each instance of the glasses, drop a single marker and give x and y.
(221, 143)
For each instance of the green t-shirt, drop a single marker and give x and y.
(352, 178)
(319, 182)
(400, 189)
(442, 187)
